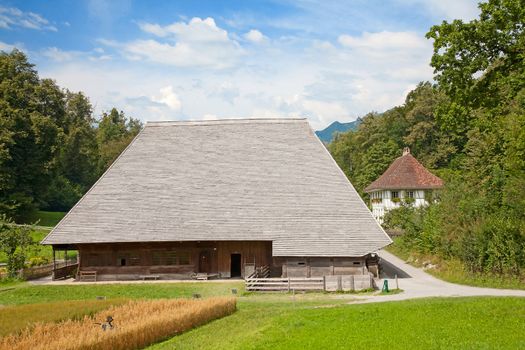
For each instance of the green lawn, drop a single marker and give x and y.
(454, 271)
(25, 293)
(462, 323)
(305, 321)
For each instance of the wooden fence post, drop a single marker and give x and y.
(397, 283)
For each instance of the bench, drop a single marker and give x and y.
(150, 277)
(88, 276)
(204, 276)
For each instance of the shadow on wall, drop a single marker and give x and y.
(388, 270)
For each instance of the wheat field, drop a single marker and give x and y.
(136, 325)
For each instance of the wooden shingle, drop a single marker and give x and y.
(245, 179)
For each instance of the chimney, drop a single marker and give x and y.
(406, 151)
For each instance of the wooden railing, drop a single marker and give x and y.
(39, 271)
(333, 283)
(65, 271)
(259, 272)
(284, 284)
(263, 271)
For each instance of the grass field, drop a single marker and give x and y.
(454, 271)
(24, 293)
(46, 218)
(15, 318)
(315, 320)
(462, 323)
(137, 324)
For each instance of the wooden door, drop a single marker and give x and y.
(204, 261)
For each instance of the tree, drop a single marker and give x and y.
(14, 240)
(472, 60)
(115, 131)
(29, 135)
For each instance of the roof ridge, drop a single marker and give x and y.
(223, 121)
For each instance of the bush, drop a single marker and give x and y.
(38, 261)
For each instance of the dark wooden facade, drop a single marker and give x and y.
(224, 259)
(173, 259)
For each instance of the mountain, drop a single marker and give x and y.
(327, 135)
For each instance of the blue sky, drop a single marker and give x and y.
(158, 60)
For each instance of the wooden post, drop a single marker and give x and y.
(324, 283)
(339, 283)
(397, 282)
(54, 263)
(65, 256)
(352, 283)
(288, 284)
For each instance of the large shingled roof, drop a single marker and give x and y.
(246, 179)
(406, 173)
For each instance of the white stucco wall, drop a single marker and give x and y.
(381, 201)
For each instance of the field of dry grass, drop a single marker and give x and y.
(14, 319)
(136, 325)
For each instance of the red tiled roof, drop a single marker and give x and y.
(406, 173)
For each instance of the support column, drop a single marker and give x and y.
(54, 264)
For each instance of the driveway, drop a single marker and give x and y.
(416, 283)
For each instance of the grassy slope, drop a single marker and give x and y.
(47, 218)
(473, 323)
(454, 271)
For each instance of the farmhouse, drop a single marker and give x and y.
(406, 181)
(222, 198)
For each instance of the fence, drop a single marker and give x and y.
(34, 272)
(284, 284)
(327, 283)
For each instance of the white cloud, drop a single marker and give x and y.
(197, 43)
(10, 47)
(255, 36)
(450, 9)
(384, 41)
(58, 55)
(169, 98)
(12, 17)
(210, 117)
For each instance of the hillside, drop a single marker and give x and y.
(327, 135)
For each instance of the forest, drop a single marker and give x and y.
(52, 147)
(468, 127)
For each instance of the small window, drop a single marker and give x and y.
(184, 258)
(301, 263)
(357, 263)
(395, 194)
(410, 194)
(128, 259)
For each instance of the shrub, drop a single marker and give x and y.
(38, 261)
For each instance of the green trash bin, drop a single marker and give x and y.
(385, 286)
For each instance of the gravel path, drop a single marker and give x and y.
(418, 284)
